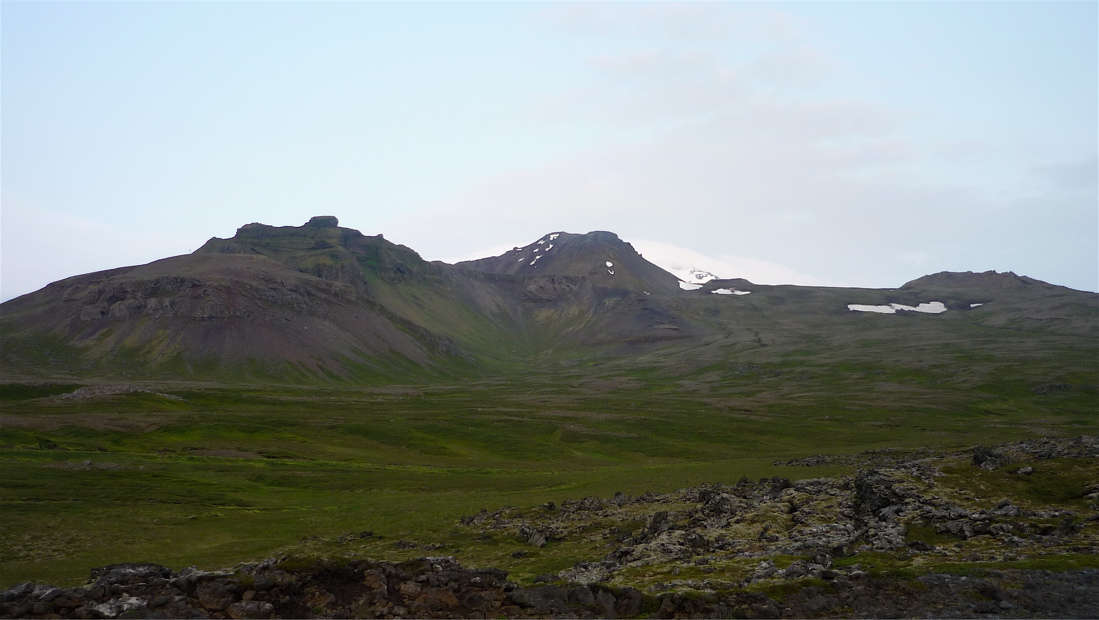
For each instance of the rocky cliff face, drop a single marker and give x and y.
(166, 295)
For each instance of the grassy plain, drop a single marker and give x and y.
(211, 475)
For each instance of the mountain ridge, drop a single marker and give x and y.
(320, 302)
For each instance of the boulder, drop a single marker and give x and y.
(988, 459)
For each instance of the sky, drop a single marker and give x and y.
(819, 143)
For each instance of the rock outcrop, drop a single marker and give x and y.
(906, 509)
(908, 535)
(437, 587)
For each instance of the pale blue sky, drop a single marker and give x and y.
(858, 143)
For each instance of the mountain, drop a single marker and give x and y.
(289, 302)
(320, 303)
(600, 257)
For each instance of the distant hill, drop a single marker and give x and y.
(321, 303)
(971, 280)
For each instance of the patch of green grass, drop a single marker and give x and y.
(927, 534)
(880, 564)
(1059, 481)
(166, 477)
(1053, 563)
(26, 391)
(780, 591)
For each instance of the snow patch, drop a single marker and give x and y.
(610, 264)
(541, 241)
(931, 307)
(729, 291)
(610, 271)
(549, 247)
(554, 236)
(865, 308)
(975, 305)
(689, 286)
(692, 275)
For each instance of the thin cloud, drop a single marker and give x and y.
(796, 68)
(1073, 176)
(673, 21)
(663, 64)
(960, 150)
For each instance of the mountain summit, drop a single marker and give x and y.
(599, 255)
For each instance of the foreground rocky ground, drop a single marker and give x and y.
(1008, 531)
(439, 588)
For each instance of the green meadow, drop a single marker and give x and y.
(213, 475)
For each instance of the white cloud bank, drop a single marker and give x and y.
(672, 257)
